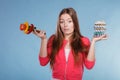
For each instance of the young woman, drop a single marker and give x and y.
(67, 50)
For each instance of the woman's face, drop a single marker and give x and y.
(66, 24)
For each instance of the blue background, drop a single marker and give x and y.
(19, 52)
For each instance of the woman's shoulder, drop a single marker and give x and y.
(85, 40)
(51, 38)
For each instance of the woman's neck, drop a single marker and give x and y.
(67, 37)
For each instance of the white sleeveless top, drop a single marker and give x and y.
(67, 51)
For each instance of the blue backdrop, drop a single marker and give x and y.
(19, 52)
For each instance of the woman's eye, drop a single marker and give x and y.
(61, 22)
(70, 21)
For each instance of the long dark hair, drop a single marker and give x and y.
(76, 42)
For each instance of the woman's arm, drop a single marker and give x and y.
(43, 47)
(43, 54)
(91, 53)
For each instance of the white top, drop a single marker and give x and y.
(67, 51)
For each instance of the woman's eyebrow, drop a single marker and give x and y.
(66, 19)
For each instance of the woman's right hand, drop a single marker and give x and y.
(41, 34)
(103, 37)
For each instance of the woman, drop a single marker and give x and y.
(67, 50)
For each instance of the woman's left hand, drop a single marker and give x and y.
(102, 37)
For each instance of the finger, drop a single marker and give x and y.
(43, 32)
(35, 32)
(104, 36)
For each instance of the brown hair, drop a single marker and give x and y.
(76, 42)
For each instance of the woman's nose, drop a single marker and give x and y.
(65, 24)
